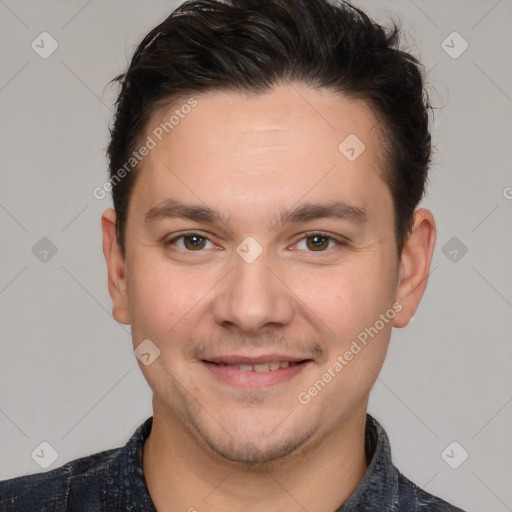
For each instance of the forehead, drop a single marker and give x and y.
(284, 144)
(276, 120)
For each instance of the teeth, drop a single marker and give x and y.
(261, 367)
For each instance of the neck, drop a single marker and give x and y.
(182, 474)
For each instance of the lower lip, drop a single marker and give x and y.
(252, 379)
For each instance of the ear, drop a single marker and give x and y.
(116, 267)
(415, 266)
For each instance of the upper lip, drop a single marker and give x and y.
(252, 360)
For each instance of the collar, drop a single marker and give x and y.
(381, 478)
(126, 484)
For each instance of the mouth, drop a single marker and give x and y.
(260, 367)
(250, 373)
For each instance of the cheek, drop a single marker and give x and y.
(158, 298)
(348, 294)
(349, 303)
(346, 304)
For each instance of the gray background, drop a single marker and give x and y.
(67, 372)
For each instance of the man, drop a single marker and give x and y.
(266, 162)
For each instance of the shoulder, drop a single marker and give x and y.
(50, 491)
(386, 481)
(414, 498)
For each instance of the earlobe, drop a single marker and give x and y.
(116, 268)
(415, 265)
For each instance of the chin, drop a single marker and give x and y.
(253, 450)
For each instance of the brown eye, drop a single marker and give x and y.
(191, 242)
(194, 242)
(317, 242)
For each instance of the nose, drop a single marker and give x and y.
(253, 296)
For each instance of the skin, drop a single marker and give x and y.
(215, 446)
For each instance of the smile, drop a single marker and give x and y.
(261, 367)
(258, 375)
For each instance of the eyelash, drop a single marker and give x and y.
(339, 241)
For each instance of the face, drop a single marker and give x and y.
(261, 262)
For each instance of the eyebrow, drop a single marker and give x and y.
(340, 210)
(173, 208)
(311, 211)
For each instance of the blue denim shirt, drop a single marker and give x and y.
(113, 481)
